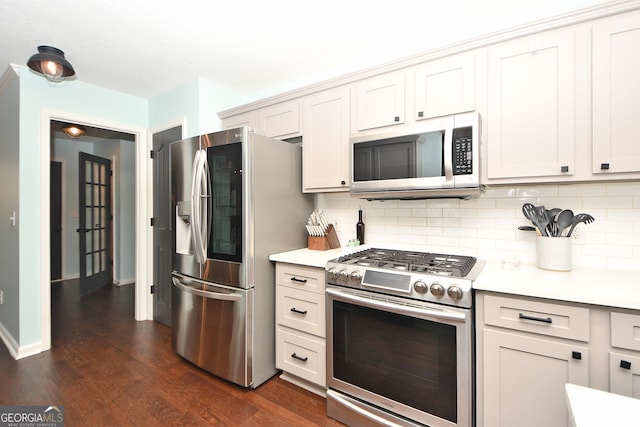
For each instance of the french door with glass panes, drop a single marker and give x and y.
(94, 224)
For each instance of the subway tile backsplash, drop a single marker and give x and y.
(487, 227)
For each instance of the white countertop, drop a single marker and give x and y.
(312, 258)
(590, 286)
(610, 288)
(589, 407)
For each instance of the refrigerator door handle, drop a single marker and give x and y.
(206, 294)
(196, 206)
(207, 196)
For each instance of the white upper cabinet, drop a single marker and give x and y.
(279, 120)
(445, 86)
(378, 102)
(616, 94)
(239, 120)
(530, 120)
(325, 144)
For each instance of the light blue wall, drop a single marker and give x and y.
(9, 201)
(74, 97)
(197, 101)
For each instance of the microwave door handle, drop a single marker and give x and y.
(448, 154)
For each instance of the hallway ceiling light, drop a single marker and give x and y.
(74, 131)
(51, 62)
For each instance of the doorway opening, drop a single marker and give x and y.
(103, 201)
(135, 177)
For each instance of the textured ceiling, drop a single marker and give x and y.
(252, 48)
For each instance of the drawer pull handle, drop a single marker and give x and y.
(295, 310)
(300, 358)
(576, 355)
(295, 279)
(625, 365)
(535, 319)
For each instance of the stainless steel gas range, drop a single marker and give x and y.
(400, 338)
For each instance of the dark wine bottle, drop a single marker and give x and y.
(360, 228)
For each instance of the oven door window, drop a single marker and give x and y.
(405, 359)
(412, 156)
(225, 169)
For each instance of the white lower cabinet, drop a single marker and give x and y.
(527, 349)
(300, 326)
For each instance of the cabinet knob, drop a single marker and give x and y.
(343, 182)
(604, 166)
(625, 365)
(396, 119)
(420, 113)
(564, 169)
(576, 355)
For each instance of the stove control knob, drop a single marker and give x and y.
(333, 273)
(343, 275)
(455, 293)
(420, 287)
(355, 277)
(437, 289)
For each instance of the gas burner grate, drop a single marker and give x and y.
(419, 262)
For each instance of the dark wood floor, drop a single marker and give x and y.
(107, 369)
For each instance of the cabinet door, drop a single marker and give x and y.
(616, 94)
(530, 121)
(280, 120)
(524, 379)
(445, 86)
(378, 102)
(624, 374)
(325, 146)
(239, 120)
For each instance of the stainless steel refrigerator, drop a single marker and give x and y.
(237, 198)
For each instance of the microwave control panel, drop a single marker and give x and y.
(462, 151)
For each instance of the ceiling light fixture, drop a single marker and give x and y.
(74, 131)
(51, 62)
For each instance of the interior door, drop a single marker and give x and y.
(94, 178)
(162, 228)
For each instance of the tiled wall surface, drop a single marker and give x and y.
(487, 227)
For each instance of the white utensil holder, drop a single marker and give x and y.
(554, 253)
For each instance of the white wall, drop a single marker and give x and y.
(487, 227)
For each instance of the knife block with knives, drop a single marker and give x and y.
(322, 234)
(323, 243)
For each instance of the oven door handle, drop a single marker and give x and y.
(360, 411)
(422, 313)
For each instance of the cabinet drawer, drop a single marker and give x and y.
(300, 310)
(302, 355)
(300, 277)
(557, 320)
(625, 331)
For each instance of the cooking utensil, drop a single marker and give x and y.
(553, 213)
(564, 220)
(581, 217)
(531, 214)
(543, 219)
(527, 228)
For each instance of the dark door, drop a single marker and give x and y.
(56, 220)
(94, 229)
(162, 227)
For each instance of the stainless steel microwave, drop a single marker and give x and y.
(436, 158)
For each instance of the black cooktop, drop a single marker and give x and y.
(418, 262)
